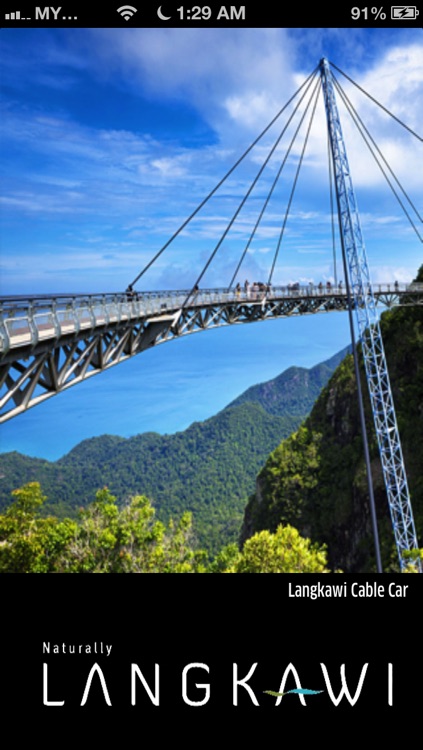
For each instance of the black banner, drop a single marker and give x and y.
(146, 650)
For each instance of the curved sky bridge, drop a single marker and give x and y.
(48, 344)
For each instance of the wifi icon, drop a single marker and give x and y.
(126, 11)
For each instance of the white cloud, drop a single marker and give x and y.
(139, 188)
(170, 167)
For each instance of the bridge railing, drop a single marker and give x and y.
(26, 320)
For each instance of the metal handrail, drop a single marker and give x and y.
(28, 320)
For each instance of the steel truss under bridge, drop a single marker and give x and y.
(364, 302)
(48, 344)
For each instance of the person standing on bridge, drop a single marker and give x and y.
(130, 293)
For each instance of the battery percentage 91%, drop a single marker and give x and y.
(377, 13)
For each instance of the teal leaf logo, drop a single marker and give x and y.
(298, 691)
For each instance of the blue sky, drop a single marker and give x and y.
(110, 138)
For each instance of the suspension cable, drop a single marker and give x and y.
(378, 103)
(220, 183)
(234, 217)
(331, 182)
(361, 127)
(275, 181)
(316, 93)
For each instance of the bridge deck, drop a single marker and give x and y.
(26, 322)
(48, 344)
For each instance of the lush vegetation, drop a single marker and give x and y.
(285, 551)
(128, 539)
(294, 391)
(316, 479)
(106, 539)
(208, 470)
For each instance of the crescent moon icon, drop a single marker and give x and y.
(161, 16)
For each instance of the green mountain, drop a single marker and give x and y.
(294, 391)
(209, 469)
(316, 479)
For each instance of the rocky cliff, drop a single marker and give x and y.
(316, 479)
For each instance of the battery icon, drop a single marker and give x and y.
(404, 11)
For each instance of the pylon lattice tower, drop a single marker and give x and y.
(363, 302)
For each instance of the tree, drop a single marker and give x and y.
(226, 560)
(285, 551)
(129, 540)
(29, 543)
(414, 560)
(105, 540)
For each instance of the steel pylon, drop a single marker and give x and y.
(363, 302)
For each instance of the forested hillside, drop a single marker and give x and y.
(294, 391)
(316, 480)
(209, 469)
